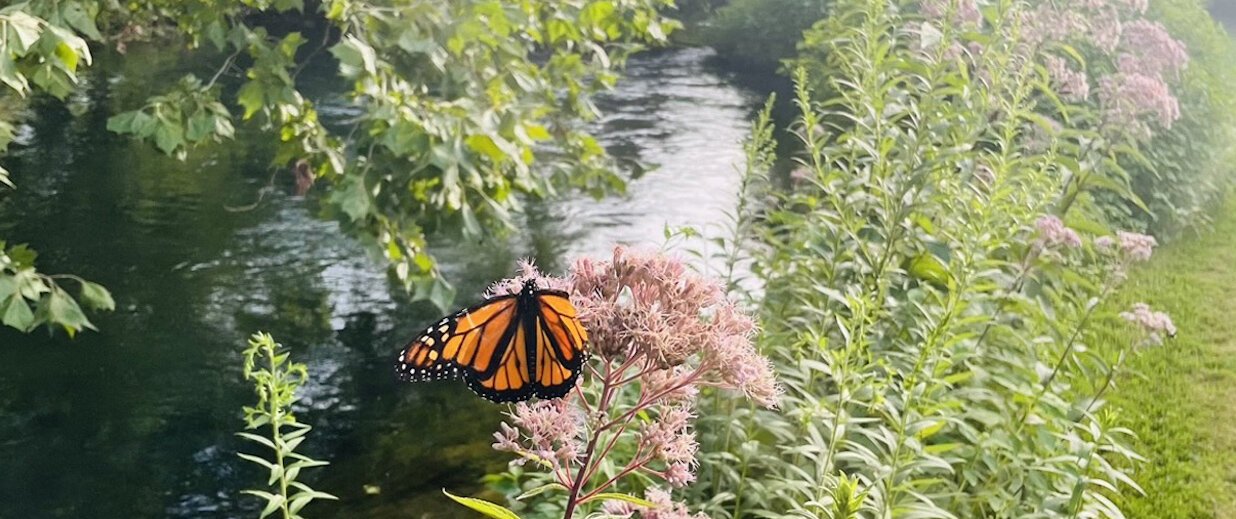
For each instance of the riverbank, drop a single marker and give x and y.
(1182, 402)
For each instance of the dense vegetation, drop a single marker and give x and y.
(937, 284)
(966, 200)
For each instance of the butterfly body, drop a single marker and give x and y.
(508, 348)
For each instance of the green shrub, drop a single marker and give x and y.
(928, 309)
(1191, 166)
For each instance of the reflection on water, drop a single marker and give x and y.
(137, 420)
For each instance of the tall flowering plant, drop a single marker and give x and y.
(660, 333)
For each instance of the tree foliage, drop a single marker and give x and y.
(42, 46)
(457, 109)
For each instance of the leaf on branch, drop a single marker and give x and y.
(614, 496)
(97, 297)
(63, 310)
(486, 508)
(17, 313)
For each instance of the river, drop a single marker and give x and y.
(138, 419)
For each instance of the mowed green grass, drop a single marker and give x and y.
(1182, 400)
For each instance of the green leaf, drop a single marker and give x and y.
(472, 227)
(82, 20)
(77, 46)
(255, 459)
(436, 290)
(272, 504)
(67, 56)
(144, 125)
(169, 137)
(8, 287)
(352, 198)
(63, 310)
(540, 490)
(24, 31)
(17, 313)
(928, 267)
(97, 297)
(355, 56)
(537, 132)
(614, 496)
(255, 438)
(484, 507)
(201, 126)
(485, 145)
(10, 76)
(7, 134)
(252, 97)
(122, 122)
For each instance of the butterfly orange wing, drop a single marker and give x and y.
(465, 343)
(561, 345)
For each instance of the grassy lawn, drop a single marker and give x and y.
(1182, 404)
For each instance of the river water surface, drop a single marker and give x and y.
(138, 419)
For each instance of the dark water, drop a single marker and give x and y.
(137, 420)
(1225, 12)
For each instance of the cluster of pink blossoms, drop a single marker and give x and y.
(1136, 246)
(1128, 98)
(1054, 235)
(1125, 249)
(645, 307)
(1074, 85)
(1154, 324)
(658, 333)
(1157, 52)
(1144, 54)
(551, 432)
(665, 508)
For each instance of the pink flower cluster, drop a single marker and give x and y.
(659, 332)
(1128, 98)
(1135, 246)
(527, 271)
(1046, 23)
(1154, 324)
(670, 439)
(1054, 235)
(651, 306)
(1158, 54)
(1104, 29)
(664, 507)
(550, 432)
(1072, 84)
(1144, 54)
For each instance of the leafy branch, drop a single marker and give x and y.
(29, 298)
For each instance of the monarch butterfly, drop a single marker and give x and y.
(508, 348)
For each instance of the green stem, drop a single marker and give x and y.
(276, 415)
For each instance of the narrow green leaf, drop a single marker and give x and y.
(484, 507)
(255, 459)
(614, 496)
(540, 490)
